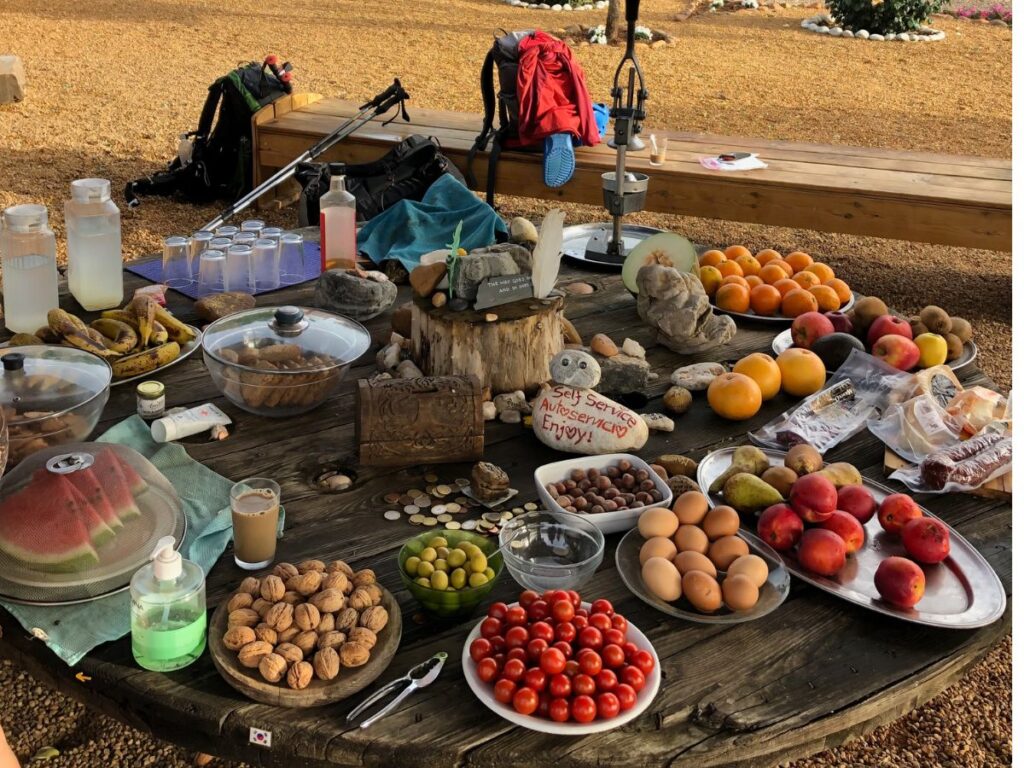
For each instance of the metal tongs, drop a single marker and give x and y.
(416, 678)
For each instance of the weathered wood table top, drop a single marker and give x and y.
(808, 676)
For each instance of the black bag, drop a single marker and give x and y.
(220, 167)
(404, 173)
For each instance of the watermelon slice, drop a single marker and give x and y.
(87, 512)
(43, 533)
(57, 489)
(107, 469)
(136, 484)
(88, 485)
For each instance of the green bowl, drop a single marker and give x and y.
(446, 603)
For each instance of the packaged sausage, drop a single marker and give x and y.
(964, 466)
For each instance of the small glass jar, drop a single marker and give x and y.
(149, 399)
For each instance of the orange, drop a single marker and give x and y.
(827, 299)
(782, 264)
(753, 281)
(765, 300)
(763, 370)
(734, 396)
(806, 279)
(730, 268)
(750, 265)
(763, 257)
(841, 288)
(710, 278)
(733, 252)
(823, 271)
(772, 273)
(735, 298)
(799, 260)
(803, 373)
(798, 301)
(735, 280)
(712, 258)
(785, 285)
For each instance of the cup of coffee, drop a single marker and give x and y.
(255, 509)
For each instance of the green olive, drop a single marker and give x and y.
(439, 580)
(457, 578)
(489, 573)
(443, 552)
(423, 582)
(441, 565)
(477, 564)
(438, 541)
(429, 554)
(466, 546)
(411, 564)
(424, 568)
(456, 558)
(473, 551)
(477, 579)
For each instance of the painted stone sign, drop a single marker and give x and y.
(504, 289)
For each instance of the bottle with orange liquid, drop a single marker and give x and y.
(337, 224)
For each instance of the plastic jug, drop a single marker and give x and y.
(337, 224)
(94, 245)
(29, 252)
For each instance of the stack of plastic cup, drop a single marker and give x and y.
(238, 269)
(211, 272)
(220, 244)
(252, 225)
(226, 230)
(265, 273)
(292, 266)
(245, 238)
(199, 242)
(176, 272)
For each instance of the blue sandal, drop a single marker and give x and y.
(559, 159)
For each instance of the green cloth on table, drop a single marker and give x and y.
(74, 630)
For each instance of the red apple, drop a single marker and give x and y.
(813, 497)
(926, 539)
(896, 510)
(822, 552)
(809, 327)
(841, 322)
(900, 581)
(889, 325)
(858, 501)
(898, 351)
(846, 527)
(780, 527)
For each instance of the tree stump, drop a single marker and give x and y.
(509, 353)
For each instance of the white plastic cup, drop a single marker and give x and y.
(226, 230)
(238, 269)
(176, 271)
(197, 244)
(265, 273)
(292, 264)
(252, 225)
(211, 272)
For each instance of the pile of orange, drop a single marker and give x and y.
(768, 284)
(757, 378)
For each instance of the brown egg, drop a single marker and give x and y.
(690, 538)
(690, 508)
(740, 592)
(694, 561)
(702, 591)
(657, 546)
(752, 566)
(657, 521)
(662, 579)
(721, 521)
(723, 551)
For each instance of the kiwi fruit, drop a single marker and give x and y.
(936, 319)
(954, 346)
(916, 326)
(961, 328)
(866, 311)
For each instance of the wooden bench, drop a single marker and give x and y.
(919, 196)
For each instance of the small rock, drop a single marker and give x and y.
(890, 35)
(836, 31)
(490, 317)
(407, 369)
(634, 349)
(847, 33)
(822, 29)
(512, 401)
(522, 230)
(569, 333)
(678, 465)
(677, 400)
(439, 299)
(658, 44)
(425, 277)
(863, 34)
(696, 377)
(511, 417)
(904, 37)
(382, 376)
(998, 23)
(567, 420)
(458, 304)
(660, 471)
(579, 289)
(658, 422)
(490, 411)
(337, 482)
(354, 293)
(210, 308)
(622, 375)
(680, 484)
(12, 79)
(602, 345)
(877, 38)
(940, 36)
(575, 369)
(389, 357)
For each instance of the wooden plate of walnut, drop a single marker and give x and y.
(305, 635)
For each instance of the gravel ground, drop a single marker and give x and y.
(110, 86)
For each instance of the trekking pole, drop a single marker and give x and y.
(393, 95)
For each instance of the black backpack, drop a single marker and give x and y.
(220, 167)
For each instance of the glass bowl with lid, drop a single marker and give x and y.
(50, 395)
(281, 361)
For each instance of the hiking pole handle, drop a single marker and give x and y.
(632, 10)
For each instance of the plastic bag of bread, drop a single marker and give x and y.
(939, 384)
(916, 428)
(976, 408)
(962, 467)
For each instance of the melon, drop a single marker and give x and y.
(42, 532)
(107, 468)
(667, 249)
(136, 484)
(87, 484)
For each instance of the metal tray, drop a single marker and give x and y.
(962, 592)
(773, 319)
(784, 341)
(575, 239)
(186, 351)
(773, 592)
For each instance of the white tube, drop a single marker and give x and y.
(190, 422)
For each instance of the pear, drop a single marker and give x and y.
(746, 458)
(749, 493)
(803, 459)
(841, 473)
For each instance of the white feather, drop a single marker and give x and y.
(547, 254)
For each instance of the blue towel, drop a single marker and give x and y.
(409, 229)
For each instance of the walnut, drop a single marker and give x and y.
(288, 635)
(249, 655)
(306, 641)
(299, 675)
(363, 636)
(336, 580)
(267, 634)
(285, 571)
(250, 585)
(306, 616)
(364, 577)
(261, 606)
(243, 617)
(376, 593)
(240, 600)
(291, 597)
(349, 587)
(360, 599)
(328, 601)
(306, 583)
(272, 589)
(330, 639)
(281, 616)
(312, 565)
(374, 619)
(353, 654)
(347, 619)
(289, 652)
(236, 637)
(273, 667)
(340, 566)
(326, 663)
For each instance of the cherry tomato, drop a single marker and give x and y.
(535, 679)
(626, 697)
(497, 611)
(562, 610)
(607, 706)
(583, 613)
(583, 685)
(559, 686)
(632, 677)
(584, 710)
(613, 656)
(497, 643)
(517, 653)
(642, 660)
(572, 667)
(619, 622)
(526, 597)
(513, 670)
(499, 659)
(516, 616)
(613, 636)
(565, 632)
(538, 610)
(558, 710)
(480, 649)
(588, 637)
(535, 648)
(504, 690)
(601, 620)
(579, 622)
(525, 701)
(606, 680)
(552, 661)
(590, 662)
(487, 669)
(564, 647)
(558, 594)
(516, 637)
(574, 598)
(548, 596)
(630, 649)
(543, 704)
(543, 630)
(490, 627)
(601, 606)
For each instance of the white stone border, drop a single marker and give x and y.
(823, 24)
(557, 6)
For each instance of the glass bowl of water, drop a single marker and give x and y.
(551, 550)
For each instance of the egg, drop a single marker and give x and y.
(740, 592)
(690, 508)
(662, 579)
(723, 551)
(721, 521)
(702, 591)
(694, 561)
(690, 538)
(657, 521)
(657, 546)
(752, 566)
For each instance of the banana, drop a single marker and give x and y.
(124, 315)
(145, 362)
(176, 329)
(122, 337)
(61, 321)
(160, 335)
(47, 336)
(85, 340)
(24, 340)
(144, 308)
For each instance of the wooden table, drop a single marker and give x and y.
(807, 677)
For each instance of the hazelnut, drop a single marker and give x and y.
(376, 593)
(306, 641)
(289, 652)
(360, 599)
(267, 634)
(326, 623)
(340, 566)
(288, 635)
(272, 589)
(353, 655)
(280, 616)
(306, 616)
(250, 654)
(346, 620)
(306, 583)
(363, 636)
(285, 571)
(336, 580)
(261, 606)
(291, 597)
(311, 565)
(240, 600)
(250, 585)
(243, 617)
(299, 675)
(364, 577)
(331, 639)
(374, 619)
(273, 667)
(236, 637)
(326, 663)
(328, 601)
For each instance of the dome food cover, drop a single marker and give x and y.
(77, 520)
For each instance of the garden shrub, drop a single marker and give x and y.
(883, 16)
